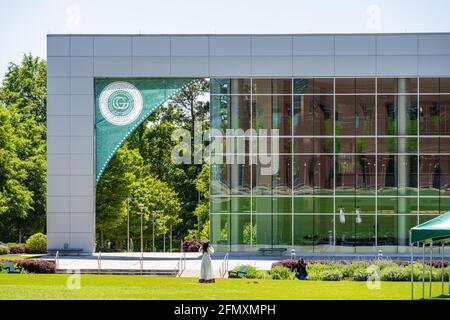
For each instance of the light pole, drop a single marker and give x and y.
(128, 223)
(141, 207)
(153, 231)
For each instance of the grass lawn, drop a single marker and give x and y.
(53, 286)
(16, 257)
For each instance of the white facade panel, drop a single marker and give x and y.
(189, 46)
(189, 66)
(313, 65)
(82, 185)
(434, 65)
(272, 66)
(354, 45)
(58, 126)
(58, 46)
(397, 45)
(81, 104)
(397, 65)
(81, 46)
(58, 145)
(313, 45)
(82, 85)
(81, 222)
(58, 204)
(230, 66)
(434, 44)
(58, 221)
(154, 66)
(58, 85)
(112, 46)
(58, 164)
(227, 46)
(82, 204)
(144, 46)
(112, 66)
(81, 164)
(58, 104)
(354, 66)
(58, 185)
(81, 126)
(272, 45)
(81, 145)
(82, 66)
(58, 67)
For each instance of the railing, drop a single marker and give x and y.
(181, 265)
(57, 260)
(99, 262)
(141, 262)
(223, 269)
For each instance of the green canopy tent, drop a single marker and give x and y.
(436, 230)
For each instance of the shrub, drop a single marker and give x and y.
(287, 263)
(17, 250)
(192, 245)
(37, 266)
(349, 269)
(37, 243)
(331, 275)
(281, 273)
(381, 264)
(262, 274)
(360, 275)
(4, 249)
(251, 271)
(395, 274)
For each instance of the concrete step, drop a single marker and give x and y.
(147, 272)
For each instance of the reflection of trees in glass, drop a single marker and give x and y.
(247, 237)
(224, 232)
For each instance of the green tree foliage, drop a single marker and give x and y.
(23, 96)
(202, 210)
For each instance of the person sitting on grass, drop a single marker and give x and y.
(206, 272)
(300, 270)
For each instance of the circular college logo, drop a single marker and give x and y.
(120, 103)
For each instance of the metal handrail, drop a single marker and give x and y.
(142, 262)
(181, 265)
(57, 260)
(99, 261)
(223, 269)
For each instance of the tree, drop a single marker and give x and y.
(24, 95)
(202, 209)
(112, 190)
(16, 200)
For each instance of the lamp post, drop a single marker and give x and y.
(141, 207)
(153, 231)
(128, 223)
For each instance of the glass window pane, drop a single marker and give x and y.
(323, 232)
(304, 171)
(240, 232)
(263, 226)
(444, 167)
(220, 205)
(365, 115)
(323, 115)
(240, 112)
(387, 205)
(220, 86)
(429, 205)
(303, 204)
(346, 204)
(303, 86)
(345, 115)
(323, 205)
(323, 174)
(387, 85)
(304, 232)
(323, 145)
(220, 231)
(282, 178)
(407, 175)
(387, 145)
(345, 85)
(444, 204)
(262, 113)
(345, 175)
(429, 145)
(263, 180)
(281, 115)
(272, 86)
(303, 115)
(240, 178)
(282, 230)
(220, 181)
(365, 205)
(344, 145)
(365, 85)
(444, 85)
(444, 145)
(407, 85)
(387, 115)
(405, 223)
(407, 205)
(345, 233)
(220, 106)
(444, 108)
(407, 115)
(282, 204)
(365, 174)
(240, 205)
(387, 233)
(365, 232)
(230, 86)
(429, 115)
(323, 85)
(406, 145)
(365, 145)
(429, 175)
(429, 85)
(387, 175)
(262, 205)
(303, 145)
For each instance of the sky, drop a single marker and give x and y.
(24, 24)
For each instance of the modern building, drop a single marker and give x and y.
(359, 126)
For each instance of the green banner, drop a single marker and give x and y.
(121, 106)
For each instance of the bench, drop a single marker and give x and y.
(238, 274)
(10, 267)
(272, 250)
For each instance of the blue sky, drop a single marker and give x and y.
(24, 24)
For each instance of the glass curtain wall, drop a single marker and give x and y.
(359, 162)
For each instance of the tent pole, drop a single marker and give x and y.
(442, 268)
(423, 270)
(431, 267)
(412, 267)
